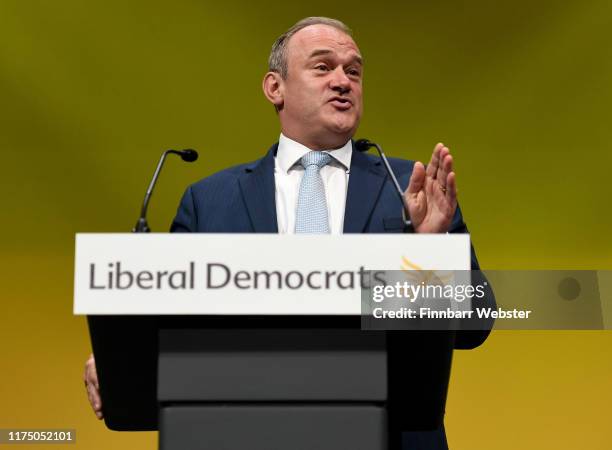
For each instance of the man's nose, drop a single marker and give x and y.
(339, 80)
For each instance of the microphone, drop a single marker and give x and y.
(187, 155)
(363, 145)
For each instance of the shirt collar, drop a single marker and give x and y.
(290, 152)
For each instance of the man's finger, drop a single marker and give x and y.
(94, 399)
(91, 374)
(451, 188)
(446, 167)
(91, 395)
(432, 167)
(441, 173)
(90, 398)
(417, 179)
(93, 377)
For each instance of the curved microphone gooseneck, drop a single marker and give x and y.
(187, 155)
(363, 145)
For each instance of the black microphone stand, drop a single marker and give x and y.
(142, 226)
(363, 145)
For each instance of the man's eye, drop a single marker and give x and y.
(322, 67)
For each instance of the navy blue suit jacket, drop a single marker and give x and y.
(241, 199)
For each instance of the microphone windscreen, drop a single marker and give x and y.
(189, 155)
(362, 145)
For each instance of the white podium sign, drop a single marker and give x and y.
(246, 274)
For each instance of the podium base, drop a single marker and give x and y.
(273, 427)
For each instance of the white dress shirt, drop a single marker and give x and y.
(288, 173)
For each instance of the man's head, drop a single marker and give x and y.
(315, 83)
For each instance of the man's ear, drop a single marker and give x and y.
(273, 86)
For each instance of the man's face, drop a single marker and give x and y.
(322, 95)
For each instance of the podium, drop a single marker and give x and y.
(227, 367)
(282, 382)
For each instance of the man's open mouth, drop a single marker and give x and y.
(341, 102)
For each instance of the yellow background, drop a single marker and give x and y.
(92, 92)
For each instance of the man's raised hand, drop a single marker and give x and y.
(431, 197)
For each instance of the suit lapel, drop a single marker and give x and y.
(366, 179)
(258, 191)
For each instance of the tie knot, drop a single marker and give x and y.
(315, 158)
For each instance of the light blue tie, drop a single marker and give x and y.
(311, 215)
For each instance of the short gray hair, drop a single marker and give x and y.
(278, 56)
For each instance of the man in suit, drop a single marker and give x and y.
(315, 85)
(314, 180)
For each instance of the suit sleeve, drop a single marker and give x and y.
(186, 215)
(470, 339)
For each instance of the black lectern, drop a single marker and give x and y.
(230, 341)
(269, 382)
